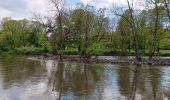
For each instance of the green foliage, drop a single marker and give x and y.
(97, 49)
(86, 31)
(28, 50)
(7, 40)
(71, 51)
(23, 37)
(164, 53)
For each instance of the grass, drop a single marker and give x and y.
(71, 51)
(97, 51)
(24, 51)
(164, 53)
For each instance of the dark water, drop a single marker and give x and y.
(28, 79)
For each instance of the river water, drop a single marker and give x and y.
(26, 78)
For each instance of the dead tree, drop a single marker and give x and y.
(166, 4)
(134, 32)
(59, 35)
(155, 29)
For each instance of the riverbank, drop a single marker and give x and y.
(163, 58)
(98, 52)
(157, 60)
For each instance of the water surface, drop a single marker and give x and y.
(25, 78)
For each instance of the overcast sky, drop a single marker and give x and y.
(18, 9)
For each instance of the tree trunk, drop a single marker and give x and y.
(167, 9)
(135, 35)
(154, 34)
(61, 39)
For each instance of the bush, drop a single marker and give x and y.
(164, 53)
(71, 51)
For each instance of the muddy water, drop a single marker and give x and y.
(25, 78)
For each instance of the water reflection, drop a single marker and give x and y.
(74, 80)
(141, 83)
(23, 79)
(17, 70)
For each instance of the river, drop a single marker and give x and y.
(26, 78)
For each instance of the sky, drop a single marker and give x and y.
(19, 9)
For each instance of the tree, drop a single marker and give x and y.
(83, 20)
(124, 30)
(133, 27)
(167, 6)
(55, 26)
(78, 21)
(134, 31)
(156, 25)
(88, 30)
(59, 32)
(102, 23)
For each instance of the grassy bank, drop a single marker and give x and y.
(72, 51)
(110, 52)
(24, 51)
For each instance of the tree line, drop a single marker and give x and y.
(86, 30)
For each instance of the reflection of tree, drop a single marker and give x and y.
(155, 78)
(135, 83)
(167, 93)
(128, 81)
(124, 80)
(60, 79)
(141, 83)
(78, 78)
(19, 69)
(83, 81)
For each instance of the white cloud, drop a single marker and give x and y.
(40, 6)
(4, 12)
(109, 3)
(23, 8)
(86, 1)
(18, 9)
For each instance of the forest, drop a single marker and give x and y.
(86, 30)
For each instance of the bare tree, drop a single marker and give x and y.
(155, 29)
(46, 22)
(166, 4)
(55, 26)
(102, 23)
(130, 19)
(59, 19)
(134, 31)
